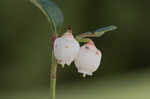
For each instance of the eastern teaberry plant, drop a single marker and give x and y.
(65, 48)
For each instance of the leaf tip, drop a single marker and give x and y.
(113, 27)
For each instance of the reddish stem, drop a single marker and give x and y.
(53, 40)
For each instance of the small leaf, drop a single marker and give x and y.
(96, 33)
(52, 12)
(101, 31)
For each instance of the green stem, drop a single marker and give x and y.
(53, 77)
(53, 68)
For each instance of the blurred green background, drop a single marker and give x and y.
(125, 69)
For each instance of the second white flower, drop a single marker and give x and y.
(88, 59)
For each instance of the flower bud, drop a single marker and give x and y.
(66, 48)
(88, 59)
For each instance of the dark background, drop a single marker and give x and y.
(125, 69)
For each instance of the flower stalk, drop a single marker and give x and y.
(53, 68)
(53, 76)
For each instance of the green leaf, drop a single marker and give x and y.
(52, 12)
(102, 31)
(96, 33)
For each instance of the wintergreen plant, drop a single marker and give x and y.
(65, 49)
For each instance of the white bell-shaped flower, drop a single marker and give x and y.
(88, 59)
(66, 48)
